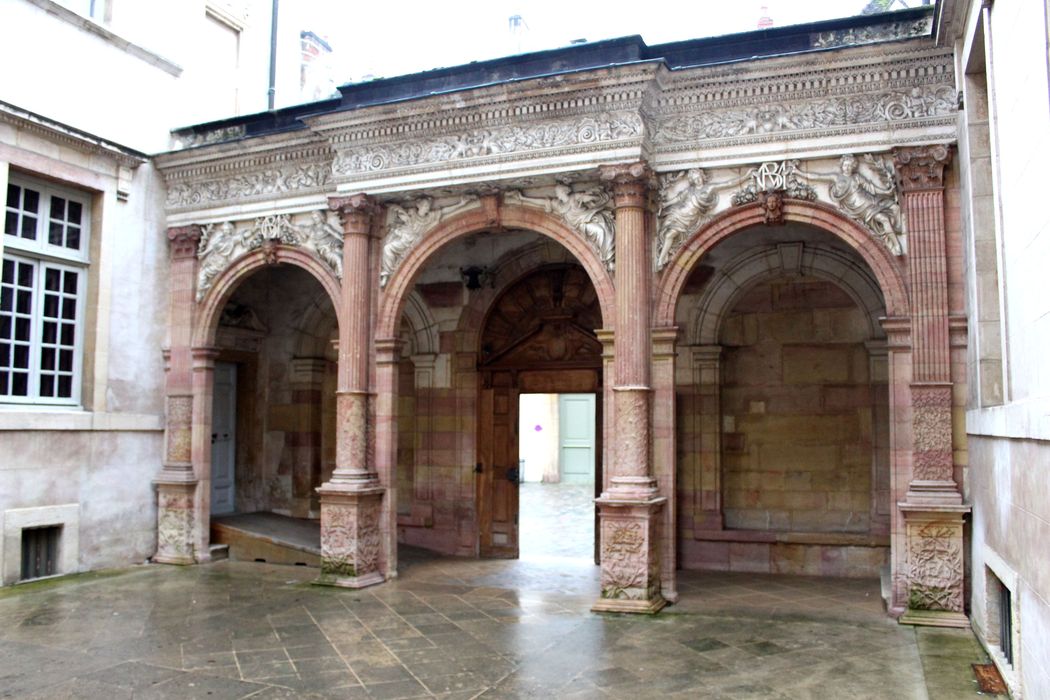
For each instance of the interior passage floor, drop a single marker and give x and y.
(456, 628)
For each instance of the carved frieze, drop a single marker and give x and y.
(587, 209)
(269, 181)
(889, 31)
(778, 118)
(501, 140)
(407, 222)
(223, 243)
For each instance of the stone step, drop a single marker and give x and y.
(219, 552)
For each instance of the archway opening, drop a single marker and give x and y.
(491, 317)
(783, 437)
(273, 422)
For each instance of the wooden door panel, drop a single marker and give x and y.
(498, 452)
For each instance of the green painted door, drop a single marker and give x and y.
(576, 438)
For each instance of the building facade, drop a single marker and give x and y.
(797, 268)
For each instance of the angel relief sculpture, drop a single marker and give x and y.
(869, 195)
(587, 210)
(219, 245)
(325, 239)
(685, 198)
(406, 224)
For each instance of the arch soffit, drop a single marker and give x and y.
(883, 265)
(423, 327)
(210, 307)
(394, 296)
(758, 265)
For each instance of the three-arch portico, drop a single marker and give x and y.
(641, 506)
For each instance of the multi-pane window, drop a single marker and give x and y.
(42, 289)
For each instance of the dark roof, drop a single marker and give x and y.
(776, 41)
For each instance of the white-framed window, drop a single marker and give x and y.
(42, 291)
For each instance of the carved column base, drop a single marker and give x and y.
(175, 522)
(934, 569)
(350, 536)
(630, 558)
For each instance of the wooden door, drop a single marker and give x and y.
(498, 471)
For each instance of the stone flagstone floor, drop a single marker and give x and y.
(454, 628)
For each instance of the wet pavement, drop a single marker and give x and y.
(455, 628)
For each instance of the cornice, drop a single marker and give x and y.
(59, 133)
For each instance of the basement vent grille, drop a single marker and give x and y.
(40, 551)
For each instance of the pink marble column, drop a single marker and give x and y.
(630, 509)
(177, 484)
(933, 510)
(388, 355)
(351, 499)
(203, 403)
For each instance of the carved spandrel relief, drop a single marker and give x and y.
(406, 223)
(223, 243)
(489, 142)
(588, 210)
(863, 188)
(866, 190)
(271, 181)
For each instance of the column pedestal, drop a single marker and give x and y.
(175, 522)
(935, 566)
(350, 536)
(630, 576)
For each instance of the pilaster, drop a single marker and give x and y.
(630, 509)
(176, 483)
(932, 510)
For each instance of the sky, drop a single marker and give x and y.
(396, 37)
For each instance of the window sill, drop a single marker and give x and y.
(89, 25)
(13, 417)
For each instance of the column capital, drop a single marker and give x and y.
(204, 357)
(355, 211)
(630, 183)
(921, 167)
(183, 241)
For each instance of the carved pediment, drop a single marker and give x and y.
(556, 342)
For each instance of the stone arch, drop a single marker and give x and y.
(424, 330)
(394, 296)
(757, 265)
(210, 308)
(886, 268)
(505, 273)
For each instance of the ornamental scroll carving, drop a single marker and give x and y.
(588, 210)
(271, 181)
(175, 524)
(826, 113)
(935, 581)
(351, 541)
(625, 564)
(223, 243)
(408, 221)
(489, 142)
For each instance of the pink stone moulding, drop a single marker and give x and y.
(630, 509)
(351, 499)
(176, 483)
(933, 509)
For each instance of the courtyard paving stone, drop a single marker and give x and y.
(455, 628)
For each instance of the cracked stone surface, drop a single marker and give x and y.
(454, 628)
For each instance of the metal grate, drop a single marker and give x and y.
(1006, 624)
(40, 551)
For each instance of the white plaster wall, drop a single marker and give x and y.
(56, 66)
(1009, 444)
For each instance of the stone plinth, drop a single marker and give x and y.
(934, 571)
(350, 536)
(630, 578)
(175, 522)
